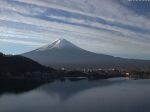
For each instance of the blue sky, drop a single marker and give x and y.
(115, 27)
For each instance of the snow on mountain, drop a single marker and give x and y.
(64, 54)
(59, 44)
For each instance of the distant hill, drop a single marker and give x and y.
(13, 66)
(64, 54)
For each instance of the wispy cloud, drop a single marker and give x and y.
(112, 27)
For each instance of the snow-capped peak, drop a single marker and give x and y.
(59, 44)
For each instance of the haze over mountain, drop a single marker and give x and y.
(64, 54)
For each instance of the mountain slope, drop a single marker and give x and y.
(18, 65)
(64, 54)
(59, 44)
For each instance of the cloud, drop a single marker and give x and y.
(110, 10)
(22, 42)
(112, 27)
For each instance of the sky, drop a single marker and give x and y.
(115, 27)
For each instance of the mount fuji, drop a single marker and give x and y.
(64, 54)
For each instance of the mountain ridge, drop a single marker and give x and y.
(64, 54)
(17, 65)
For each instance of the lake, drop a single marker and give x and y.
(109, 95)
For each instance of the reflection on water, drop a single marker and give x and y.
(111, 95)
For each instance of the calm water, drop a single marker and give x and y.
(111, 95)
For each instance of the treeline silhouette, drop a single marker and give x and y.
(15, 68)
(17, 65)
